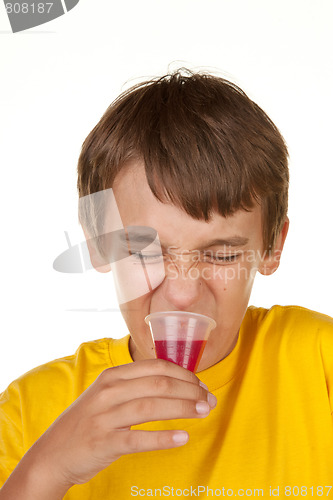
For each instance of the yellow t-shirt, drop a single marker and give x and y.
(271, 433)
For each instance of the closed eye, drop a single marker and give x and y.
(221, 259)
(146, 257)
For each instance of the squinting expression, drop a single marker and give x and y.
(209, 267)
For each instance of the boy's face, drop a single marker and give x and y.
(219, 289)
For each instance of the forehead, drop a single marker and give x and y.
(138, 206)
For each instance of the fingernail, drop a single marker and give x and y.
(180, 437)
(212, 400)
(203, 385)
(202, 407)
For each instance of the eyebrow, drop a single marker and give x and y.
(233, 241)
(142, 238)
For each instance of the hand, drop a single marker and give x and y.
(96, 429)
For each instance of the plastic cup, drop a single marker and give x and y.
(180, 336)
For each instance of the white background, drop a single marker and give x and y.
(57, 80)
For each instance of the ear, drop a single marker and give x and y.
(96, 259)
(270, 263)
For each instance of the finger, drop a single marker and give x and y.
(139, 411)
(136, 441)
(148, 367)
(122, 390)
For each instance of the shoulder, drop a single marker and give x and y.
(88, 355)
(292, 329)
(291, 319)
(72, 373)
(33, 401)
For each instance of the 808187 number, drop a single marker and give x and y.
(302, 491)
(26, 8)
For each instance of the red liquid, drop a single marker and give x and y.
(186, 354)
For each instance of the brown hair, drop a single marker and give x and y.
(205, 145)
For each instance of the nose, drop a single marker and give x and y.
(182, 284)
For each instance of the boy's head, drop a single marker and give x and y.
(192, 157)
(204, 144)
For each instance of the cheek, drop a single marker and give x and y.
(141, 344)
(236, 280)
(134, 313)
(134, 279)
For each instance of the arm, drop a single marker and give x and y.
(31, 481)
(96, 429)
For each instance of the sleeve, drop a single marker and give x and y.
(11, 439)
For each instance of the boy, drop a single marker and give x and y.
(192, 158)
